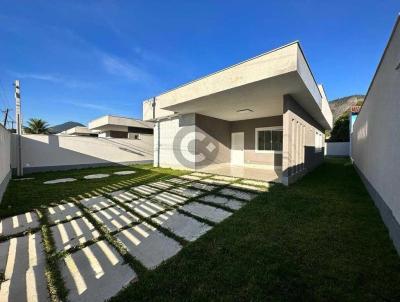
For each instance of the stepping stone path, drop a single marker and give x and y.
(124, 172)
(22, 179)
(115, 218)
(17, 224)
(238, 194)
(73, 233)
(96, 176)
(230, 202)
(123, 196)
(61, 212)
(97, 203)
(95, 273)
(206, 212)
(181, 225)
(94, 270)
(60, 180)
(148, 245)
(255, 183)
(22, 261)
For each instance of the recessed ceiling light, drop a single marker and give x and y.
(244, 110)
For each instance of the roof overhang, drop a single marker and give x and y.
(111, 122)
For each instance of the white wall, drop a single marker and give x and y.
(376, 136)
(52, 151)
(5, 159)
(337, 149)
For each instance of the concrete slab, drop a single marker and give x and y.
(214, 181)
(60, 180)
(255, 182)
(182, 225)
(187, 192)
(170, 199)
(145, 190)
(123, 195)
(199, 174)
(163, 185)
(228, 202)
(224, 178)
(148, 245)
(97, 203)
(22, 179)
(62, 212)
(145, 207)
(115, 218)
(19, 223)
(73, 233)
(124, 172)
(238, 194)
(207, 212)
(202, 186)
(248, 187)
(96, 176)
(95, 273)
(22, 263)
(178, 181)
(190, 177)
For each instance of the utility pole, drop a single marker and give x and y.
(6, 117)
(18, 119)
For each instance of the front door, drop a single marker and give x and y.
(237, 148)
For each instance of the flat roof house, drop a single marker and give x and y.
(120, 127)
(79, 131)
(263, 118)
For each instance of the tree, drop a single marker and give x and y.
(37, 126)
(341, 129)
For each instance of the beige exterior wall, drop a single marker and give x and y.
(50, 152)
(5, 159)
(300, 135)
(376, 137)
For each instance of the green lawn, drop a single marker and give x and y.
(321, 239)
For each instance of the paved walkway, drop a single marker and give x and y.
(151, 223)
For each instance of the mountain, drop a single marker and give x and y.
(342, 105)
(62, 127)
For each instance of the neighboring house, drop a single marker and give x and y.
(120, 127)
(80, 131)
(375, 141)
(263, 118)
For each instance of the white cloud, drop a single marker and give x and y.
(53, 78)
(120, 67)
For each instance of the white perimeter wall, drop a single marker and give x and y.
(337, 149)
(57, 150)
(376, 132)
(5, 160)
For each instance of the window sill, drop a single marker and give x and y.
(268, 152)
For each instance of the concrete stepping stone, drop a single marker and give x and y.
(19, 223)
(255, 182)
(188, 192)
(182, 225)
(199, 174)
(73, 233)
(178, 181)
(95, 273)
(22, 179)
(215, 181)
(115, 218)
(206, 212)
(123, 196)
(224, 178)
(63, 212)
(162, 185)
(60, 180)
(231, 203)
(170, 199)
(148, 245)
(96, 176)
(22, 263)
(238, 194)
(248, 187)
(145, 190)
(97, 203)
(191, 177)
(124, 172)
(145, 208)
(201, 186)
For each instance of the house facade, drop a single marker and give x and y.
(264, 117)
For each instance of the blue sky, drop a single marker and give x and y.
(78, 60)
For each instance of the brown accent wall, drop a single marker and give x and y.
(299, 130)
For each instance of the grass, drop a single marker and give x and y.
(321, 239)
(24, 195)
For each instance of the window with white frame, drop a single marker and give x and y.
(318, 141)
(269, 139)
